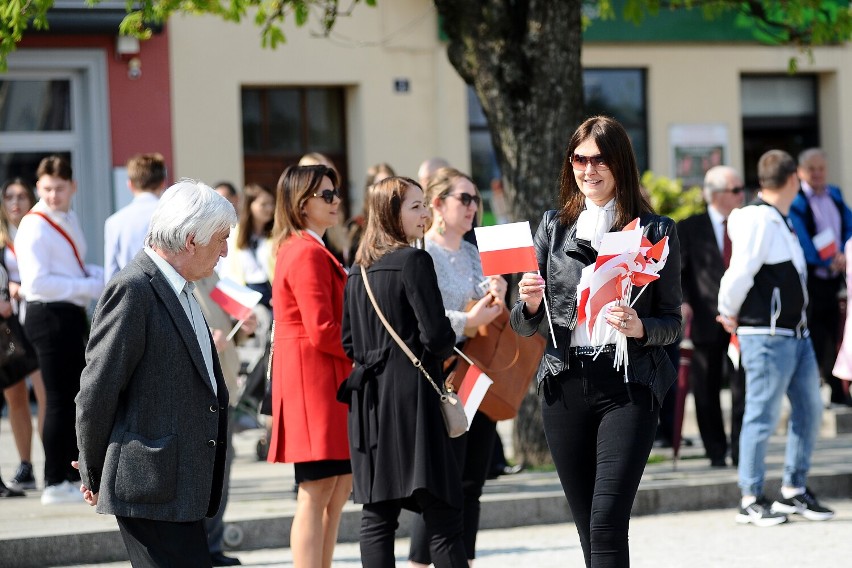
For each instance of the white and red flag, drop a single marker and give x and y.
(825, 244)
(237, 300)
(625, 259)
(472, 390)
(506, 249)
(734, 351)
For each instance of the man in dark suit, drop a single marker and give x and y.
(705, 251)
(152, 407)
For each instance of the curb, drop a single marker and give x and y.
(498, 511)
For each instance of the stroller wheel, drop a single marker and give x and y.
(233, 536)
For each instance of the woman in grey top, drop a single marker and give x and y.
(454, 201)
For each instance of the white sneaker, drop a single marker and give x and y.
(65, 492)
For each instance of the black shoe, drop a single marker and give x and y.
(760, 514)
(24, 478)
(219, 559)
(718, 462)
(8, 491)
(806, 505)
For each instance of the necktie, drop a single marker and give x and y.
(199, 325)
(726, 244)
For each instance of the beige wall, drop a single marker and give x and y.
(212, 60)
(687, 84)
(701, 84)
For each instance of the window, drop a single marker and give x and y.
(780, 112)
(281, 124)
(55, 101)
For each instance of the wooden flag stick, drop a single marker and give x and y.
(547, 312)
(236, 328)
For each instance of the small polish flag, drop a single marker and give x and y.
(825, 244)
(734, 351)
(505, 249)
(235, 299)
(472, 391)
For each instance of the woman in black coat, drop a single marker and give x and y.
(600, 420)
(400, 450)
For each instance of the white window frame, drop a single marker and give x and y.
(88, 141)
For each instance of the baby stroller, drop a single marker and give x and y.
(254, 357)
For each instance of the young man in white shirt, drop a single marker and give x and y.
(58, 286)
(125, 230)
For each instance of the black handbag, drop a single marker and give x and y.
(16, 361)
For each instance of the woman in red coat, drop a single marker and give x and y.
(309, 364)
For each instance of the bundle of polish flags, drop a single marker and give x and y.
(625, 259)
(236, 300)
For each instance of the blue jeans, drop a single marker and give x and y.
(775, 365)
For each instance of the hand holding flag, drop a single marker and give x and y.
(506, 249)
(236, 300)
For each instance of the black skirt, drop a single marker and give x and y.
(322, 469)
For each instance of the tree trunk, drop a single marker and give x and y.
(523, 60)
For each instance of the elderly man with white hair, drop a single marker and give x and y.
(152, 407)
(705, 252)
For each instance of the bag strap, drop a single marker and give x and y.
(64, 235)
(271, 351)
(414, 360)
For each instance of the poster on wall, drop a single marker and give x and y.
(695, 148)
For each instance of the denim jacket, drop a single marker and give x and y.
(561, 257)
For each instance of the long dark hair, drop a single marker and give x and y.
(384, 231)
(615, 147)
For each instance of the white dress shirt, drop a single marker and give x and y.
(125, 232)
(48, 267)
(191, 308)
(716, 219)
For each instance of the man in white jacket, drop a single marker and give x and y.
(763, 298)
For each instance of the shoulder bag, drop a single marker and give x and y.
(508, 359)
(451, 407)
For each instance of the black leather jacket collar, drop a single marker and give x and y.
(561, 257)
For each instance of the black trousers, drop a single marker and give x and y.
(379, 522)
(473, 453)
(710, 365)
(58, 332)
(164, 544)
(824, 325)
(600, 434)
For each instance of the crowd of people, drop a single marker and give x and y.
(353, 302)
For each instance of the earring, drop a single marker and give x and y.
(442, 227)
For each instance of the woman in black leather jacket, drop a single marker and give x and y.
(600, 421)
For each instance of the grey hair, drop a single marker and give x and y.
(806, 155)
(189, 207)
(716, 180)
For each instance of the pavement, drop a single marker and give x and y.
(262, 503)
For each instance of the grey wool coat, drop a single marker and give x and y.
(151, 431)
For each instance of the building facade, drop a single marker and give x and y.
(380, 89)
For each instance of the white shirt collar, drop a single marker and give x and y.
(715, 217)
(595, 221)
(315, 235)
(177, 281)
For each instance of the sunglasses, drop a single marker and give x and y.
(735, 190)
(466, 198)
(328, 195)
(580, 162)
